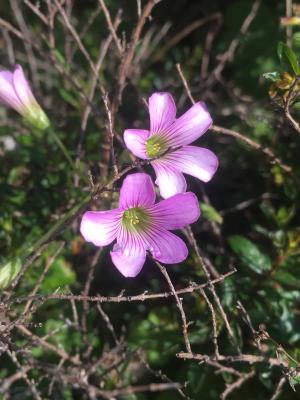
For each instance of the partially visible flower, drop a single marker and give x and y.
(168, 140)
(15, 92)
(289, 21)
(139, 225)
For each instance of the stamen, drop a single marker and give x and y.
(136, 218)
(156, 146)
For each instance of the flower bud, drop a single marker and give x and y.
(15, 92)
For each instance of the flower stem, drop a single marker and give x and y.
(62, 148)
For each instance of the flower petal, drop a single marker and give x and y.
(22, 88)
(167, 247)
(177, 211)
(169, 180)
(190, 126)
(135, 140)
(100, 227)
(162, 110)
(128, 261)
(7, 76)
(8, 95)
(196, 161)
(137, 191)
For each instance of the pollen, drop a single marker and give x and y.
(156, 146)
(135, 218)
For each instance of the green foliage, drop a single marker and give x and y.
(9, 271)
(254, 202)
(211, 213)
(250, 254)
(60, 275)
(288, 58)
(272, 76)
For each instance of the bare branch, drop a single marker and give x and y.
(111, 26)
(179, 306)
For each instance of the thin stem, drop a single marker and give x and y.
(62, 147)
(289, 29)
(179, 305)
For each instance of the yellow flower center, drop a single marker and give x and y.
(135, 219)
(156, 145)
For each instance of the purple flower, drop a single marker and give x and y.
(167, 133)
(15, 92)
(139, 225)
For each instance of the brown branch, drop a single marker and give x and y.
(75, 36)
(48, 346)
(119, 299)
(111, 134)
(9, 46)
(214, 323)
(109, 325)
(215, 17)
(287, 103)
(87, 287)
(160, 375)
(128, 56)
(289, 29)
(210, 37)
(229, 54)
(10, 28)
(152, 387)
(267, 151)
(116, 393)
(229, 132)
(23, 371)
(222, 368)
(179, 306)
(7, 382)
(291, 120)
(185, 84)
(111, 26)
(237, 384)
(122, 74)
(279, 388)
(18, 13)
(212, 288)
(36, 11)
(42, 276)
(246, 358)
(90, 96)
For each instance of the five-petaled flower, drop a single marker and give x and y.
(15, 92)
(139, 225)
(168, 141)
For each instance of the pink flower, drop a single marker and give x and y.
(167, 133)
(139, 225)
(15, 92)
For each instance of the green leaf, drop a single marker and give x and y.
(284, 215)
(272, 76)
(250, 254)
(286, 55)
(296, 39)
(60, 58)
(60, 275)
(9, 271)
(210, 213)
(280, 50)
(286, 278)
(69, 98)
(296, 105)
(295, 380)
